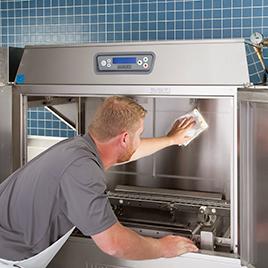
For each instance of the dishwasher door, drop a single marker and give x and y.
(253, 107)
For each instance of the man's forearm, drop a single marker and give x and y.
(132, 246)
(149, 146)
(122, 242)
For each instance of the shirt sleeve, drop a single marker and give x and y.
(86, 203)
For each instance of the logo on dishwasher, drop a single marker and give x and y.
(160, 90)
(102, 266)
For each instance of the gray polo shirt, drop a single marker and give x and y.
(61, 188)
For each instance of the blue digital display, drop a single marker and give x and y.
(124, 60)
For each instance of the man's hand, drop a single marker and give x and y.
(173, 246)
(178, 132)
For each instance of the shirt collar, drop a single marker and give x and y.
(92, 144)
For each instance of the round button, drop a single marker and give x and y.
(145, 65)
(103, 63)
(139, 62)
(109, 65)
(109, 60)
(145, 59)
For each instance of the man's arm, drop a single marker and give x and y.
(122, 242)
(176, 136)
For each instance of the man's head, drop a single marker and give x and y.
(121, 118)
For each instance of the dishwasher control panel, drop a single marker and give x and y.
(121, 63)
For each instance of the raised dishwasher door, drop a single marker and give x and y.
(253, 179)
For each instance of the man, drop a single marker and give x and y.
(64, 187)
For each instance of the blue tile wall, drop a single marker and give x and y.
(82, 21)
(42, 122)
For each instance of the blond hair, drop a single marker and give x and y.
(116, 115)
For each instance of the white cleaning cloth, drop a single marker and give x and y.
(198, 128)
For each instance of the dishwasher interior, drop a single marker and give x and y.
(181, 190)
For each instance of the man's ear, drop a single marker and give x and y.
(124, 139)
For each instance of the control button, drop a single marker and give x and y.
(145, 65)
(145, 59)
(109, 60)
(109, 65)
(139, 62)
(103, 63)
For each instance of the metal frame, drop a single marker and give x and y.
(234, 182)
(245, 194)
(6, 161)
(150, 90)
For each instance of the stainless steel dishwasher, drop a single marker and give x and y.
(192, 191)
